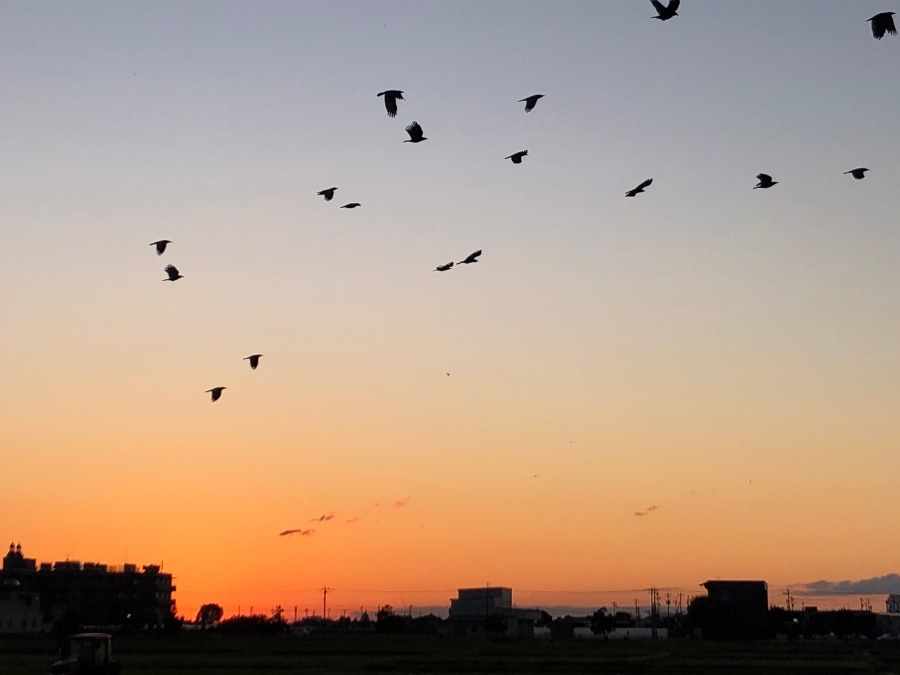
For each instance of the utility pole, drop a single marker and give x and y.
(325, 590)
(789, 603)
(668, 605)
(295, 613)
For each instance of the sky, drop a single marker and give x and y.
(721, 360)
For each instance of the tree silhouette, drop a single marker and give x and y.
(209, 615)
(602, 621)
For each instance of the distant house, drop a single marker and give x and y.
(20, 611)
(738, 610)
(892, 603)
(488, 612)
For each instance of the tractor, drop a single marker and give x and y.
(87, 654)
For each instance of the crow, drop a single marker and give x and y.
(172, 271)
(858, 174)
(254, 360)
(444, 268)
(328, 193)
(216, 393)
(517, 156)
(160, 246)
(765, 181)
(351, 205)
(415, 133)
(665, 13)
(530, 101)
(883, 23)
(639, 188)
(391, 96)
(471, 258)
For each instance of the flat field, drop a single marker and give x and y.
(210, 653)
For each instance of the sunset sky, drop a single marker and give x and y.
(723, 360)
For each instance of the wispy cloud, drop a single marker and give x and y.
(352, 520)
(647, 511)
(325, 517)
(652, 508)
(302, 533)
(889, 583)
(640, 513)
(400, 503)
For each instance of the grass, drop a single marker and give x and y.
(368, 653)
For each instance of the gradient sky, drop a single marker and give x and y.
(727, 355)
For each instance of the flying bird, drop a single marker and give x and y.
(858, 174)
(391, 96)
(765, 181)
(328, 193)
(216, 393)
(254, 360)
(415, 133)
(530, 101)
(351, 205)
(160, 246)
(639, 188)
(883, 23)
(444, 268)
(516, 157)
(172, 271)
(665, 13)
(471, 258)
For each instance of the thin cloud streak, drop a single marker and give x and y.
(302, 533)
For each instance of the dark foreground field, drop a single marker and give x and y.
(210, 653)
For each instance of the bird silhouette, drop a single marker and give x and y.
(328, 193)
(444, 268)
(391, 96)
(172, 271)
(639, 188)
(254, 360)
(858, 174)
(530, 101)
(351, 205)
(160, 245)
(415, 133)
(765, 181)
(471, 258)
(883, 23)
(215, 393)
(516, 157)
(665, 13)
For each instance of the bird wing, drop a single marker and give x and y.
(673, 5)
(646, 183)
(763, 177)
(658, 6)
(472, 257)
(415, 131)
(390, 103)
(172, 271)
(889, 25)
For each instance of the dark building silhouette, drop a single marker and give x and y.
(738, 610)
(489, 612)
(93, 593)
